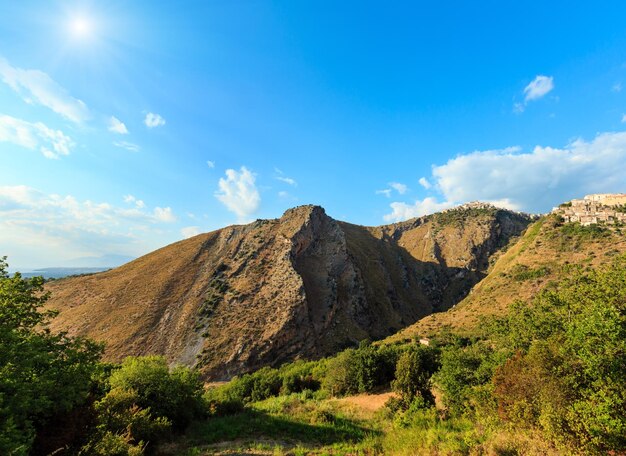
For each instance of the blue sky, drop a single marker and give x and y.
(127, 125)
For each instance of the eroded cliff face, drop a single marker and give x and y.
(304, 285)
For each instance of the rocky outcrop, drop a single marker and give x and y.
(304, 285)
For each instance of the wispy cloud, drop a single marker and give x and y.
(238, 193)
(398, 187)
(287, 180)
(536, 89)
(132, 147)
(35, 136)
(425, 183)
(153, 120)
(623, 118)
(617, 87)
(281, 177)
(36, 87)
(532, 181)
(130, 199)
(117, 126)
(210, 164)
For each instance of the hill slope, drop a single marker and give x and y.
(547, 252)
(304, 285)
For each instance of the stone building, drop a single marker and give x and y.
(598, 208)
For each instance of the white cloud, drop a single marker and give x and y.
(36, 87)
(117, 126)
(539, 87)
(623, 118)
(153, 120)
(164, 214)
(532, 181)
(238, 193)
(536, 89)
(130, 199)
(403, 211)
(425, 183)
(210, 164)
(287, 180)
(617, 87)
(281, 177)
(35, 136)
(190, 231)
(400, 188)
(132, 147)
(41, 229)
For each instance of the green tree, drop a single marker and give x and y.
(41, 374)
(413, 372)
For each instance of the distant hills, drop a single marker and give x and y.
(77, 266)
(301, 286)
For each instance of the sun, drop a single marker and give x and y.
(80, 26)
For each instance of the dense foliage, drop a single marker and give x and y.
(56, 394)
(42, 375)
(548, 376)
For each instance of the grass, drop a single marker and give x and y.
(283, 425)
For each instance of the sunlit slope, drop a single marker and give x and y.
(545, 254)
(303, 285)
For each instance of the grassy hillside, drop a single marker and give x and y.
(542, 257)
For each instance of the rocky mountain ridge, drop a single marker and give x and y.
(303, 285)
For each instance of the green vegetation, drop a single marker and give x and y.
(547, 378)
(43, 376)
(570, 236)
(55, 393)
(522, 273)
(458, 216)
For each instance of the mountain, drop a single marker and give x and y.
(578, 234)
(303, 285)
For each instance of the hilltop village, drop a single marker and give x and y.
(609, 208)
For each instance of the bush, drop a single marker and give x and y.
(297, 377)
(361, 370)
(119, 413)
(462, 370)
(175, 395)
(111, 444)
(413, 372)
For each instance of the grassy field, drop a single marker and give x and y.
(301, 425)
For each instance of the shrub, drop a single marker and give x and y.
(175, 395)
(111, 444)
(413, 372)
(462, 370)
(119, 413)
(297, 377)
(361, 370)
